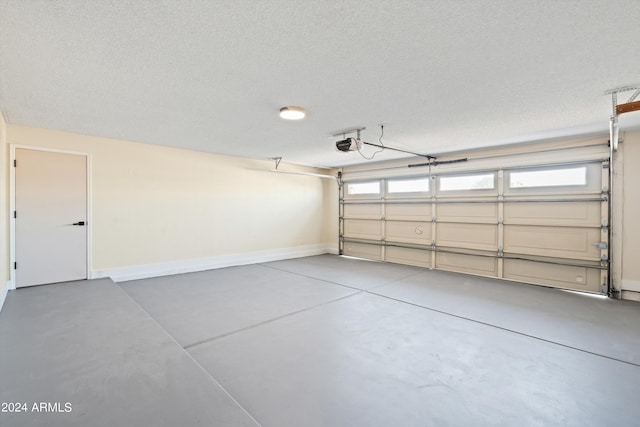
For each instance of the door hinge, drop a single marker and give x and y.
(15, 265)
(15, 163)
(15, 214)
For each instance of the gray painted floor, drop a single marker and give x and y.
(91, 345)
(200, 306)
(319, 341)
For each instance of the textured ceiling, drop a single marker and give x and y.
(442, 75)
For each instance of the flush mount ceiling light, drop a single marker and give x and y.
(292, 113)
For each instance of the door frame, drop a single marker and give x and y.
(12, 204)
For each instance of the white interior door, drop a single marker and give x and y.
(50, 217)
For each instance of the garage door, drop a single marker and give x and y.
(529, 218)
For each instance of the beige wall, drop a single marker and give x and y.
(153, 204)
(631, 216)
(157, 205)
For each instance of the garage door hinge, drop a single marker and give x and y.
(15, 265)
(500, 251)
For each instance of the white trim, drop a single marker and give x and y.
(630, 296)
(333, 249)
(123, 274)
(89, 216)
(317, 175)
(12, 205)
(631, 285)
(3, 295)
(12, 221)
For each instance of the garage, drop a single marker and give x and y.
(280, 213)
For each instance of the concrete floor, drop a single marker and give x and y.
(319, 341)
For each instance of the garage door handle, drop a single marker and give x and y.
(81, 223)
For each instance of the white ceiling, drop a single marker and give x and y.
(442, 75)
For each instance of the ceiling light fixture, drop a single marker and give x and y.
(292, 113)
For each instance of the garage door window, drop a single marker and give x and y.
(549, 178)
(363, 188)
(406, 186)
(467, 182)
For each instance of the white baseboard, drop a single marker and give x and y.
(631, 285)
(124, 274)
(630, 296)
(3, 294)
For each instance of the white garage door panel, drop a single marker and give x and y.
(363, 229)
(470, 236)
(484, 266)
(372, 211)
(408, 232)
(562, 242)
(468, 212)
(578, 278)
(417, 257)
(576, 214)
(531, 214)
(363, 250)
(419, 212)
